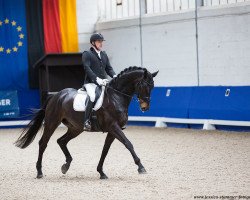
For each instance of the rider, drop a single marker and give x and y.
(96, 65)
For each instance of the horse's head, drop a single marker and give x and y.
(143, 89)
(135, 80)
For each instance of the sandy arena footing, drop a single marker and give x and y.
(181, 164)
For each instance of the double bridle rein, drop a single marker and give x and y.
(147, 99)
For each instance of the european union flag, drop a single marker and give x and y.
(13, 45)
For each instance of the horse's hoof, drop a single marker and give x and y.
(39, 176)
(64, 168)
(104, 177)
(142, 171)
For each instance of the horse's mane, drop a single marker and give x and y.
(125, 71)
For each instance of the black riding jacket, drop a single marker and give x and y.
(95, 67)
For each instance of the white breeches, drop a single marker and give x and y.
(90, 88)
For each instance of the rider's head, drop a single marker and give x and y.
(96, 40)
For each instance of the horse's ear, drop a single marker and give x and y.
(155, 73)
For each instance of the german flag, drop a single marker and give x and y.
(51, 28)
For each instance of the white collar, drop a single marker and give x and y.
(97, 51)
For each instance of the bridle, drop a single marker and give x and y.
(139, 84)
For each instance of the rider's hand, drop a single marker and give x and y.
(105, 81)
(102, 81)
(99, 81)
(114, 76)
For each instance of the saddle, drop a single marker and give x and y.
(81, 98)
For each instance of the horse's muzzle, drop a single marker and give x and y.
(144, 106)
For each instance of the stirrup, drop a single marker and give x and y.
(87, 126)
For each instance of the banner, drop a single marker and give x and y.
(13, 45)
(34, 19)
(51, 24)
(60, 26)
(68, 25)
(9, 104)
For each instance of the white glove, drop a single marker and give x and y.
(105, 81)
(114, 76)
(101, 81)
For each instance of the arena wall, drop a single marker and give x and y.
(169, 45)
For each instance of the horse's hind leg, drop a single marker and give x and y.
(63, 141)
(47, 133)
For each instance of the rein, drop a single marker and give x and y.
(131, 96)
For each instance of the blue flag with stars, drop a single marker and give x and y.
(13, 45)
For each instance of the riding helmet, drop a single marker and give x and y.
(96, 36)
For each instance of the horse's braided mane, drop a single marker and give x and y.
(125, 71)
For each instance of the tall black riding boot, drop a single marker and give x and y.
(87, 123)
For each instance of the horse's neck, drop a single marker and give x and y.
(125, 86)
(124, 93)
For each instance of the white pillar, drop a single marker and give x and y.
(208, 126)
(160, 124)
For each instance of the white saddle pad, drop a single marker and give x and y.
(80, 99)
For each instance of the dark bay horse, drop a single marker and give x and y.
(111, 117)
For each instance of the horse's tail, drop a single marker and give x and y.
(29, 132)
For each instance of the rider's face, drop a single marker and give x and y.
(98, 44)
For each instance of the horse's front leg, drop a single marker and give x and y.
(117, 133)
(109, 140)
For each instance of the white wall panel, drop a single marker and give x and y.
(163, 5)
(224, 49)
(156, 6)
(125, 8)
(87, 16)
(169, 43)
